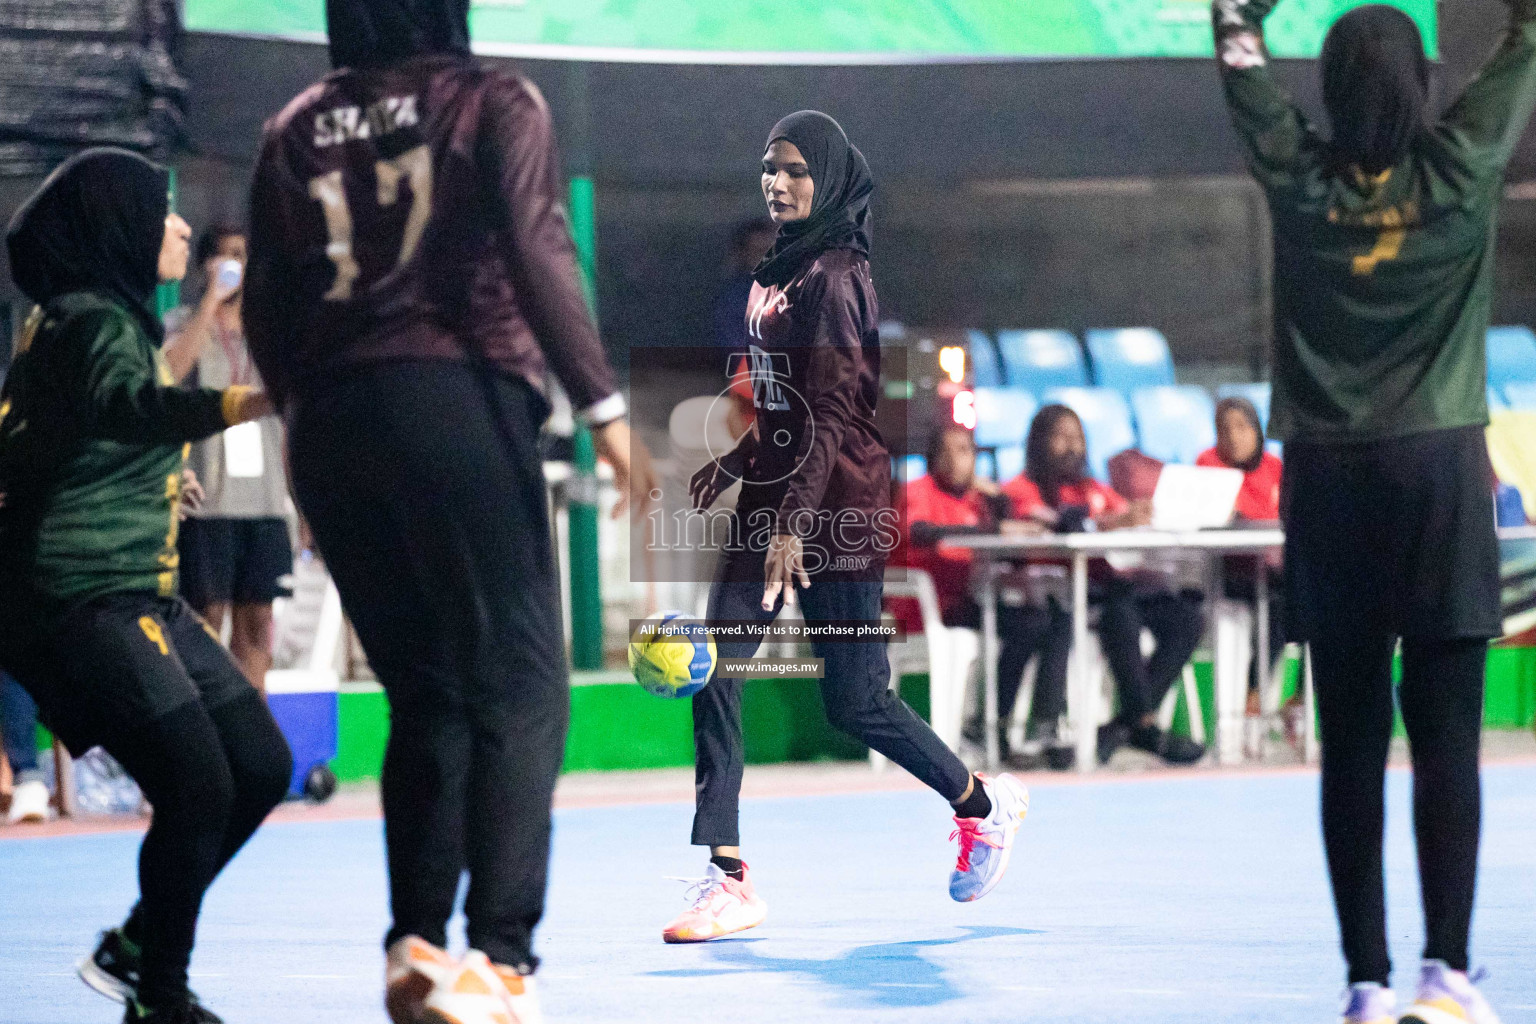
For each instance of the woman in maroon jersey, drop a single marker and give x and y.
(814, 520)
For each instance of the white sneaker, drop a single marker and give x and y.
(479, 992)
(1447, 997)
(29, 804)
(721, 906)
(412, 969)
(987, 843)
(1368, 1003)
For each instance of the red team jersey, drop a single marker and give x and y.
(1259, 497)
(1100, 499)
(927, 502)
(417, 212)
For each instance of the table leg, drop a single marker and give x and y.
(1261, 642)
(1081, 702)
(1227, 679)
(989, 664)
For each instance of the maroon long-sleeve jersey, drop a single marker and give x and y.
(820, 468)
(417, 212)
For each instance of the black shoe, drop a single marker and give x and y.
(113, 969)
(1112, 737)
(1171, 748)
(188, 1011)
(1059, 757)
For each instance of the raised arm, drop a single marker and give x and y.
(1275, 135)
(1486, 121)
(517, 147)
(122, 396)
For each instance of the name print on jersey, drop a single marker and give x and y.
(347, 124)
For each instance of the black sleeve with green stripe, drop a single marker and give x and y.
(119, 392)
(1277, 138)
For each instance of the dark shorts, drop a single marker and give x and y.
(122, 658)
(234, 561)
(1392, 537)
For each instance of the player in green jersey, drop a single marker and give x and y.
(92, 446)
(1383, 281)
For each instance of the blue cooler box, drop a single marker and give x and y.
(305, 706)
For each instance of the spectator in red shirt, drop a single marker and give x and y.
(1056, 489)
(951, 501)
(1240, 445)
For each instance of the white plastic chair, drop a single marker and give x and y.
(948, 654)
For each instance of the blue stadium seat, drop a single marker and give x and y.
(1128, 358)
(1518, 395)
(1009, 462)
(985, 371)
(912, 467)
(1042, 359)
(1106, 422)
(1258, 394)
(1496, 402)
(892, 330)
(1511, 355)
(1003, 415)
(1175, 424)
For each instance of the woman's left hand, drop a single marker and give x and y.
(783, 568)
(192, 496)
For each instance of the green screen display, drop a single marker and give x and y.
(830, 30)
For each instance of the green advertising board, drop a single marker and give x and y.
(828, 31)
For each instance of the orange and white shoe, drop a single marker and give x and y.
(721, 906)
(480, 992)
(413, 967)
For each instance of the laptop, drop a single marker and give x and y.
(1195, 497)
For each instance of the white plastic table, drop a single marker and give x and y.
(1080, 548)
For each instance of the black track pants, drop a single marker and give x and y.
(426, 495)
(1441, 696)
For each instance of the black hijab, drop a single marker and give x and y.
(380, 33)
(839, 208)
(96, 224)
(1375, 86)
(1246, 409)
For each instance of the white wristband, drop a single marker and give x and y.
(605, 411)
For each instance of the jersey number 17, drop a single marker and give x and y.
(414, 165)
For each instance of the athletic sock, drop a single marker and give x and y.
(977, 805)
(731, 866)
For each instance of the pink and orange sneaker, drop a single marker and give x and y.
(721, 906)
(413, 967)
(480, 992)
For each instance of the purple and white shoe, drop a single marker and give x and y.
(1369, 1003)
(1447, 997)
(986, 843)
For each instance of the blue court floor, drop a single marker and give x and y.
(1154, 901)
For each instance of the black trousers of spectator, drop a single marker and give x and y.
(1441, 697)
(426, 495)
(855, 692)
(1024, 631)
(143, 677)
(1176, 623)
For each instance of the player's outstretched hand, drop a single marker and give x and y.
(710, 482)
(632, 469)
(783, 567)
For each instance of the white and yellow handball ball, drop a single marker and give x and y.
(672, 664)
